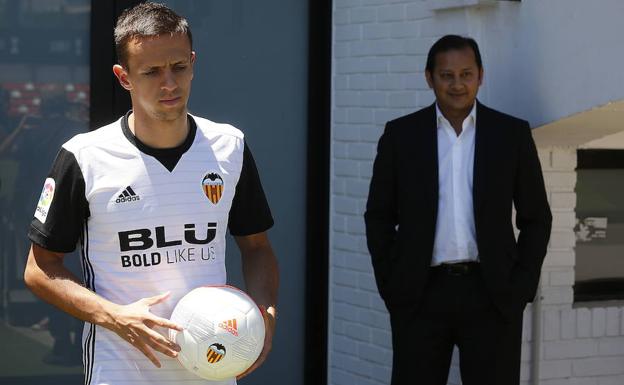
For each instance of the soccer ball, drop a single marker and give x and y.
(223, 331)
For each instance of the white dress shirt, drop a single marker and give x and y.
(455, 235)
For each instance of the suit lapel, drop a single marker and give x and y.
(480, 161)
(430, 151)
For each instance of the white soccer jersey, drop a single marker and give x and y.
(148, 221)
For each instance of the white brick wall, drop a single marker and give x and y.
(580, 345)
(378, 75)
(379, 54)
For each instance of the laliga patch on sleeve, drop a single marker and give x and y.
(45, 201)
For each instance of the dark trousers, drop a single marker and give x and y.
(456, 311)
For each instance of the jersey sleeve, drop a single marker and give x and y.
(63, 208)
(250, 212)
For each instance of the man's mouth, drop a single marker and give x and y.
(170, 100)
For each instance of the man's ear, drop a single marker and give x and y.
(480, 76)
(122, 76)
(429, 78)
(193, 57)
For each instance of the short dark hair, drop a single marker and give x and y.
(449, 43)
(147, 19)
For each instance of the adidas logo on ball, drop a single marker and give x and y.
(230, 326)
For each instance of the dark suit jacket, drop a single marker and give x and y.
(402, 207)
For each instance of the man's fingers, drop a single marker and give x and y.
(163, 322)
(269, 318)
(151, 301)
(147, 352)
(164, 349)
(162, 344)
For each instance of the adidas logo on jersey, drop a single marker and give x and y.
(230, 326)
(127, 195)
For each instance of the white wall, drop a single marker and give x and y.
(549, 59)
(543, 60)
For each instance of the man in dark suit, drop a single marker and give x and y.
(439, 228)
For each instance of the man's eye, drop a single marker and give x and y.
(179, 68)
(149, 73)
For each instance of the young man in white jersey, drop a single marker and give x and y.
(149, 199)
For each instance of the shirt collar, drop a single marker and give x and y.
(471, 119)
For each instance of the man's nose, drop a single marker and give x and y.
(169, 82)
(456, 82)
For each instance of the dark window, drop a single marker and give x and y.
(600, 225)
